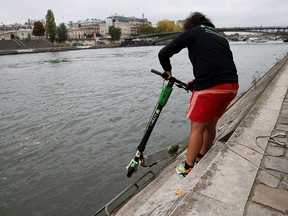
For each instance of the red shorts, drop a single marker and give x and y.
(207, 104)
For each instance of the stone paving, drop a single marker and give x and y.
(270, 191)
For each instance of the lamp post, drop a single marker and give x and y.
(3, 30)
(95, 33)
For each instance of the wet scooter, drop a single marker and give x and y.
(154, 158)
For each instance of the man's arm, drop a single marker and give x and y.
(174, 47)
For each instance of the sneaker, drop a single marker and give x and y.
(180, 169)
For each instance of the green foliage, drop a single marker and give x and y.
(115, 33)
(145, 29)
(166, 26)
(162, 26)
(38, 29)
(62, 33)
(51, 29)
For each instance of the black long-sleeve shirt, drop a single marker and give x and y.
(209, 54)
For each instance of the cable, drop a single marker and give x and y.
(270, 139)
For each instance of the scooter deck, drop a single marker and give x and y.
(156, 157)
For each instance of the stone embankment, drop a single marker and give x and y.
(244, 173)
(24, 44)
(12, 47)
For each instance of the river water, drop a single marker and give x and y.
(70, 121)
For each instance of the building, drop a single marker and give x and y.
(20, 31)
(5, 34)
(83, 29)
(86, 28)
(179, 23)
(128, 25)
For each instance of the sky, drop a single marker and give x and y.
(223, 13)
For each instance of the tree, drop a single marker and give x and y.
(62, 33)
(115, 33)
(38, 29)
(177, 28)
(12, 36)
(167, 26)
(29, 37)
(51, 29)
(145, 29)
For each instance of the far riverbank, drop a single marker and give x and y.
(54, 49)
(35, 46)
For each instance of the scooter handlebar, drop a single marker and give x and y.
(163, 75)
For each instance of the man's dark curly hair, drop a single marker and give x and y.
(195, 19)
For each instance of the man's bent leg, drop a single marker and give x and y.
(195, 141)
(209, 136)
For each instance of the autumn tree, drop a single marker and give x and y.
(62, 32)
(38, 29)
(51, 29)
(177, 28)
(145, 29)
(167, 26)
(115, 33)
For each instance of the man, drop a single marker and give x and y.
(214, 87)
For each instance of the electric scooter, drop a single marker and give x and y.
(150, 160)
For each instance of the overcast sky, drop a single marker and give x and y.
(223, 13)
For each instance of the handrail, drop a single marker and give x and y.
(135, 183)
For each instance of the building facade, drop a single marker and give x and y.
(86, 28)
(83, 29)
(17, 33)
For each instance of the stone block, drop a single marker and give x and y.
(274, 198)
(284, 183)
(256, 209)
(270, 178)
(283, 117)
(283, 127)
(198, 205)
(229, 179)
(275, 151)
(275, 163)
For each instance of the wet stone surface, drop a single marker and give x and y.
(273, 178)
(270, 178)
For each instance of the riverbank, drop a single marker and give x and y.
(35, 47)
(244, 173)
(13, 47)
(52, 49)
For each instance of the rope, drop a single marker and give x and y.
(270, 139)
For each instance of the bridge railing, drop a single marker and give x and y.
(263, 29)
(156, 38)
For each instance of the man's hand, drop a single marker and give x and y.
(190, 85)
(167, 75)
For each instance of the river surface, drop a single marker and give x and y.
(70, 121)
